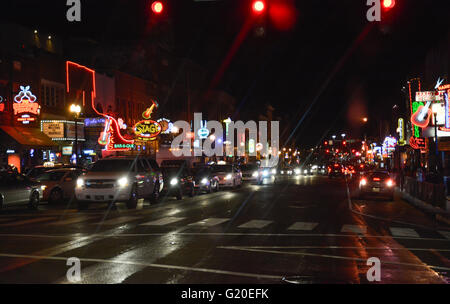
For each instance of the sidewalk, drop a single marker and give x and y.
(440, 215)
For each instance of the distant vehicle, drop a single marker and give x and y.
(229, 175)
(266, 174)
(16, 189)
(286, 170)
(377, 183)
(178, 180)
(306, 170)
(336, 170)
(117, 179)
(60, 184)
(249, 172)
(205, 180)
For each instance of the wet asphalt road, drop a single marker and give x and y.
(304, 230)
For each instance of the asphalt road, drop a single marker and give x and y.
(300, 230)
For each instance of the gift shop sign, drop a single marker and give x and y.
(25, 107)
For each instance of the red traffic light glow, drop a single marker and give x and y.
(258, 6)
(388, 4)
(157, 7)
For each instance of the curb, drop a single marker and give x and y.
(439, 214)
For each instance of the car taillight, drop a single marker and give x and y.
(390, 183)
(363, 182)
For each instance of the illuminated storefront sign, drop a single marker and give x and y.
(53, 129)
(112, 140)
(67, 150)
(94, 122)
(417, 143)
(148, 129)
(25, 106)
(203, 132)
(2, 104)
(166, 125)
(388, 146)
(401, 132)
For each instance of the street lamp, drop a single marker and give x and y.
(365, 119)
(75, 110)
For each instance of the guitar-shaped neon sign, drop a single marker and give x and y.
(105, 135)
(421, 117)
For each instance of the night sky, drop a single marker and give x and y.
(331, 61)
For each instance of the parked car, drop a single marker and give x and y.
(16, 189)
(38, 170)
(205, 179)
(178, 180)
(117, 179)
(229, 175)
(60, 184)
(249, 172)
(377, 183)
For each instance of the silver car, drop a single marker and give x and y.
(17, 189)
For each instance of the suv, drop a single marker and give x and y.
(118, 179)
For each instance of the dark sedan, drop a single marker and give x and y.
(17, 189)
(377, 183)
(178, 181)
(205, 180)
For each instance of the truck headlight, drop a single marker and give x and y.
(173, 181)
(204, 181)
(122, 182)
(80, 182)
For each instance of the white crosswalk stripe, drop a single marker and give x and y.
(354, 228)
(28, 221)
(69, 221)
(303, 226)
(446, 234)
(209, 222)
(119, 220)
(408, 232)
(163, 221)
(255, 224)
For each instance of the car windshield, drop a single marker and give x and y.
(121, 165)
(380, 175)
(222, 168)
(249, 167)
(171, 171)
(201, 171)
(50, 176)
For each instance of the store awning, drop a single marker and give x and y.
(28, 137)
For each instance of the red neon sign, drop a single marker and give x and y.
(111, 137)
(25, 105)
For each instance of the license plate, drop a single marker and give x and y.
(376, 189)
(99, 197)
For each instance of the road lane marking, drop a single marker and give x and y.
(29, 221)
(403, 232)
(445, 234)
(339, 247)
(164, 266)
(118, 220)
(303, 226)
(163, 221)
(71, 221)
(209, 222)
(360, 229)
(243, 248)
(255, 224)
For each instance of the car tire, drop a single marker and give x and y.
(33, 203)
(179, 195)
(55, 197)
(133, 200)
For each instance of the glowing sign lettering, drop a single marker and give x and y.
(401, 132)
(148, 129)
(25, 103)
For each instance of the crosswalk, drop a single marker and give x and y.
(209, 222)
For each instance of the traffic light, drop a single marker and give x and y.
(388, 4)
(157, 7)
(258, 6)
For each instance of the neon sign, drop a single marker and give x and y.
(166, 125)
(203, 132)
(148, 129)
(25, 105)
(2, 105)
(401, 132)
(417, 143)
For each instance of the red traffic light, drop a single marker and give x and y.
(388, 4)
(157, 7)
(258, 6)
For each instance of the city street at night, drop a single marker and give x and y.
(300, 230)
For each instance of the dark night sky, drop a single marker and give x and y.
(289, 69)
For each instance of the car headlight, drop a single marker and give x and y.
(122, 182)
(274, 171)
(297, 171)
(255, 174)
(306, 171)
(80, 182)
(282, 172)
(265, 172)
(204, 181)
(173, 181)
(228, 177)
